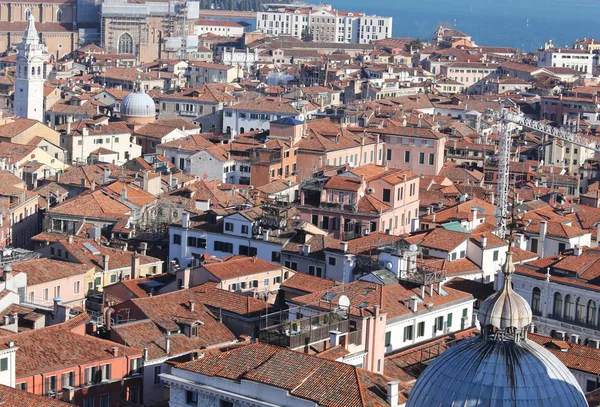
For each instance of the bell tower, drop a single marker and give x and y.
(30, 75)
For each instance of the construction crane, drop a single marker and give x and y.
(505, 118)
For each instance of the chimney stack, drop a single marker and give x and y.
(483, 241)
(392, 393)
(143, 248)
(115, 351)
(105, 259)
(167, 344)
(145, 354)
(192, 305)
(135, 266)
(344, 247)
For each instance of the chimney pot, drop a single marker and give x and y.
(115, 351)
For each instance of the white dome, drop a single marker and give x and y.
(138, 104)
(487, 373)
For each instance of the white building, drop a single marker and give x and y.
(551, 238)
(564, 295)
(222, 28)
(325, 24)
(250, 115)
(576, 59)
(241, 58)
(30, 74)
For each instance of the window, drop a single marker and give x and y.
(21, 386)
(45, 294)
(104, 400)
(332, 261)
(125, 44)
(266, 282)
(68, 379)
(225, 403)
(50, 384)
(223, 247)
(580, 310)
(534, 245)
(439, 323)
(91, 375)
(561, 247)
(277, 280)
(407, 156)
(88, 401)
(421, 329)
(421, 158)
(388, 338)
(449, 324)
(465, 312)
(245, 229)
(276, 257)
(98, 281)
(57, 291)
(229, 226)
(191, 397)
(496, 252)
(569, 304)
(105, 370)
(134, 394)
(535, 300)
(3, 364)
(157, 371)
(52, 251)
(591, 313)
(389, 154)
(177, 239)
(408, 333)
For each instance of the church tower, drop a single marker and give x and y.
(30, 75)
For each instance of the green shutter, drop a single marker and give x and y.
(449, 320)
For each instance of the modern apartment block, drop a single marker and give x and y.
(324, 24)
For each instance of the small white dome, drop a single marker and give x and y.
(138, 104)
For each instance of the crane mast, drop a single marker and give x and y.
(505, 117)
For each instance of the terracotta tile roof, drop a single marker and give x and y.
(389, 297)
(370, 245)
(480, 291)
(135, 195)
(307, 283)
(92, 173)
(335, 353)
(193, 142)
(118, 259)
(442, 239)
(556, 229)
(574, 356)
(343, 183)
(41, 271)
(370, 204)
(325, 382)
(93, 204)
(17, 127)
(492, 239)
(57, 347)
(461, 267)
(265, 105)
(18, 398)
(461, 212)
(240, 267)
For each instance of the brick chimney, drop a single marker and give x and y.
(106, 259)
(135, 266)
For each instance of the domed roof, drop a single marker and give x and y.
(479, 372)
(506, 308)
(138, 104)
(500, 367)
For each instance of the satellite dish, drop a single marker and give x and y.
(344, 302)
(413, 247)
(389, 265)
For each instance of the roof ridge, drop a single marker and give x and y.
(359, 385)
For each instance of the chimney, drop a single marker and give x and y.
(192, 305)
(474, 216)
(423, 292)
(577, 250)
(145, 354)
(124, 193)
(82, 182)
(185, 220)
(483, 241)
(543, 229)
(414, 304)
(115, 351)
(6, 320)
(145, 181)
(167, 344)
(344, 247)
(93, 186)
(7, 272)
(306, 249)
(135, 266)
(105, 259)
(56, 301)
(70, 239)
(143, 248)
(106, 176)
(392, 393)
(301, 247)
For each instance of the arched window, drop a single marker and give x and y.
(535, 300)
(59, 15)
(125, 44)
(27, 13)
(580, 310)
(569, 306)
(242, 131)
(39, 71)
(33, 70)
(591, 313)
(558, 305)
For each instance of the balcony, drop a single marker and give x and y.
(569, 324)
(302, 332)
